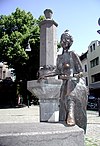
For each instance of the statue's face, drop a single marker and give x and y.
(65, 43)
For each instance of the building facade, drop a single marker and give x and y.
(93, 60)
(6, 72)
(91, 67)
(3, 70)
(83, 59)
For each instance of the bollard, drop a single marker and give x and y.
(28, 101)
(99, 105)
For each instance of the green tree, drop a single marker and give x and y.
(58, 46)
(15, 32)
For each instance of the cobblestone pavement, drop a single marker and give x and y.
(31, 115)
(93, 127)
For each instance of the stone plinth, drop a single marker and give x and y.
(48, 92)
(41, 134)
(49, 110)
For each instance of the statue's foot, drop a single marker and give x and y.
(70, 120)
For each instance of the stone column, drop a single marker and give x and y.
(48, 40)
(48, 91)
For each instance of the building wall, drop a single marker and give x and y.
(93, 59)
(85, 71)
(83, 59)
(3, 70)
(6, 72)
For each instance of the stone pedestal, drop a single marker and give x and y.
(48, 92)
(49, 110)
(41, 134)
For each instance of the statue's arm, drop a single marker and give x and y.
(47, 72)
(78, 65)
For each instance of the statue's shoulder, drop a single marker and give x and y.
(75, 57)
(73, 54)
(59, 56)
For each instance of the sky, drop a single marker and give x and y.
(80, 17)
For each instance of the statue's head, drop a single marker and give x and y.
(66, 40)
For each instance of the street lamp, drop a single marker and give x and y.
(28, 48)
(99, 25)
(98, 31)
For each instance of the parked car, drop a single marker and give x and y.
(92, 103)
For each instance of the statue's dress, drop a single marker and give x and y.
(73, 89)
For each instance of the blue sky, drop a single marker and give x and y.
(79, 16)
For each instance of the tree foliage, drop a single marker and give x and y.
(15, 32)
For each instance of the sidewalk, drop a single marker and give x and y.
(93, 128)
(20, 115)
(31, 115)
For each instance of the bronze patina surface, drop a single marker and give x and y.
(73, 92)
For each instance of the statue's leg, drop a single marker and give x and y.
(70, 116)
(62, 111)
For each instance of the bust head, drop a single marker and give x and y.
(66, 40)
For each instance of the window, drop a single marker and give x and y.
(95, 78)
(86, 80)
(94, 62)
(85, 68)
(93, 46)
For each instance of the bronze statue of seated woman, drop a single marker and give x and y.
(73, 93)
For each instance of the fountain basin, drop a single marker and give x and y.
(48, 92)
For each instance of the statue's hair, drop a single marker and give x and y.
(65, 36)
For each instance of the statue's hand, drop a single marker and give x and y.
(63, 77)
(41, 78)
(79, 75)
